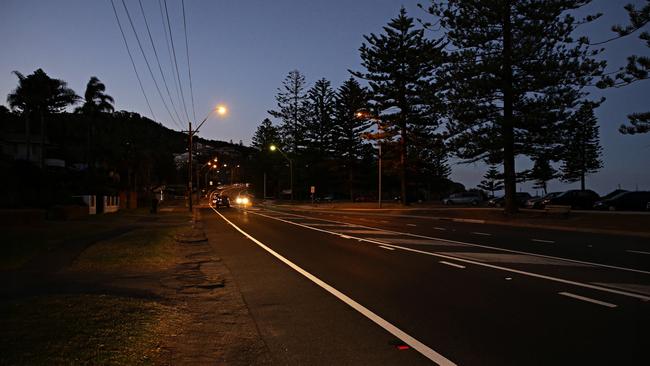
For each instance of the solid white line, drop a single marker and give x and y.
(543, 241)
(411, 225)
(385, 247)
(479, 233)
(491, 247)
(637, 251)
(406, 338)
(452, 264)
(440, 228)
(469, 261)
(587, 299)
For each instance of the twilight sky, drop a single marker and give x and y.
(240, 50)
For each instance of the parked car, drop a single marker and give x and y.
(520, 197)
(625, 201)
(576, 198)
(613, 193)
(463, 198)
(536, 202)
(221, 201)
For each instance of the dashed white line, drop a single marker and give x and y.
(491, 247)
(439, 228)
(452, 264)
(637, 251)
(387, 248)
(480, 233)
(425, 350)
(411, 225)
(543, 241)
(482, 264)
(588, 299)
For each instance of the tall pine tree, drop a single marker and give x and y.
(514, 77)
(318, 129)
(292, 111)
(399, 66)
(265, 135)
(348, 128)
(582, 153)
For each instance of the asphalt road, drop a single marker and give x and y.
(333, 288)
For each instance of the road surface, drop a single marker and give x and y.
(338, 288)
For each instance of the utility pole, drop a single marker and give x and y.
(189, 166)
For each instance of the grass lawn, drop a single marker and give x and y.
(80, 330)
(148, 248)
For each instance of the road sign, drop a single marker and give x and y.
(312, 190)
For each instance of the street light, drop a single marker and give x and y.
(219, 109)
(362, 114)
(274, 148)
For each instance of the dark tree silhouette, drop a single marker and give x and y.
(541, 173)
(38, 94)
(292, 111)
(637, 67)
(320, 119)
(493, 180)
(515, 74)
(265, 135)
(583, 151)
(399, 65)
(348, 128)
(96, 101)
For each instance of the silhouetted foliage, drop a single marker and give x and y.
(513, 77)
(492, 180)
(399, 66)
(292, 111)
(582, 147)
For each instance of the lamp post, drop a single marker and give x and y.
(220, 110)
(210, 164)
(274, 148)
(361, 114)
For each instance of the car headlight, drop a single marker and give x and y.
(238, 200)
(244, 200)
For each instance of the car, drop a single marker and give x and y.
(613, 193)
(625, 201)
(463, 198)
(243, 200)
(520, 197)
(536, 202)
(221, 201)
(576, 198)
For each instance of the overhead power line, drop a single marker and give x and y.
(126, 44)
(162, 74)
(178, 75)
(126, 9)
(169, 52)
(189, 68)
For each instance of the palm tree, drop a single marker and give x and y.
(39, 94)
(96, 102)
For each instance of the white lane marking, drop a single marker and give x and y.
(479, 233)
(439, 228)
(588, 299)
(387, 248)
(411, 225)
(406, 338)
(383, 221)
(469, 261)
(452, 264)
(637, 251)
(493, 248)
(543, 241)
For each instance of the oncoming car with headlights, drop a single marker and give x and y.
(243, 201)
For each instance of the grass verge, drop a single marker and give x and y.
(80, 330)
